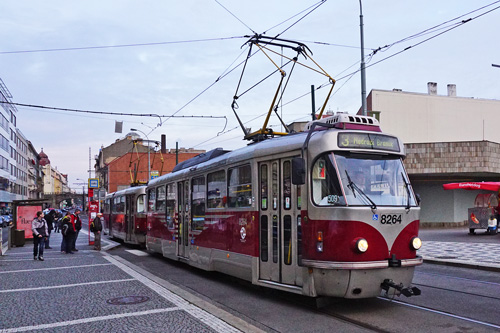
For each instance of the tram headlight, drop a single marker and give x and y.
(416, 243)
(361, 245)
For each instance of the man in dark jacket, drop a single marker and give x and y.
(77, 225)
(50, 217)
(68, 233)
(96, 228)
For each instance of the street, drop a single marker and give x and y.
(82, 292)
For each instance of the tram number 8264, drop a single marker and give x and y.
(390, 219)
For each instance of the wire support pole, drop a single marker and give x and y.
(363, 69)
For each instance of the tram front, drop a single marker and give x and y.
(360, 226)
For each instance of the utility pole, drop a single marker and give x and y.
(363, 75)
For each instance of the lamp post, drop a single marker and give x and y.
(363, 75)
(83, 193)
(149, 151)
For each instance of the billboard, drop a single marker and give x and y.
(25, 215)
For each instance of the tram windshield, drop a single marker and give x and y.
(340, 179)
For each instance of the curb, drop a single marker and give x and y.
(462, 264)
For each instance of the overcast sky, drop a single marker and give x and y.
(67, 66)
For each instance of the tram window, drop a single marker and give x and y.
(287, 185)
(151, 200)
(240, 187)
(120, 206)
(287, 241)
(263, 238)
(160, 199)
(198, 203)
(275, 185)
(275, 238)
(140, 203)
(113, 208)
(326, 190)
(216, 189)
(263, 187)
(107, 206)
(170, 206)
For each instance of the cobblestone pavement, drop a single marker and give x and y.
(478, 255)
(92, 291)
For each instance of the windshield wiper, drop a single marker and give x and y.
(407, 186)
(352, 186)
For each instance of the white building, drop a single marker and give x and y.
(447, 139)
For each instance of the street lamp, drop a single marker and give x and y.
(83, 192)
(149, 151)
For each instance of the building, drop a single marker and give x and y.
(20, 168)
(35, 173)
(54, 181)
(447, 139)
(126, 161)
(7, 147)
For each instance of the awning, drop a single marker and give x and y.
(488, 186)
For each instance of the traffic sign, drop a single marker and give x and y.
(93, 182)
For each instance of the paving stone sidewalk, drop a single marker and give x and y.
(92, 291)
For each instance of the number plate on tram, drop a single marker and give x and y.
(391, 219)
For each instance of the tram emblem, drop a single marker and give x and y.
(243, 233)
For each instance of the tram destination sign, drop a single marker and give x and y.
(368, 141)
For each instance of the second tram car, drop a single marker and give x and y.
(327, 212)
(124, 215)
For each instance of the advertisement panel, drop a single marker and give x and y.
(25, 215)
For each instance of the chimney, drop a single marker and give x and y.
(452, 90)
(432, 88)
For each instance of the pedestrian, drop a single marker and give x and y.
(40, 232)
(57, 222)
(77, 225)
(68, 232)
(96, 228)
(50, 217)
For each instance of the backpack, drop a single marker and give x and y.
(64, 229)
(92, 227)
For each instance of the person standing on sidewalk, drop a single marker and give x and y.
(49, 218)
(40, 233)
(68, 232)
(96, 228)
(77, 225)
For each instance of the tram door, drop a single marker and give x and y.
(183, 226)
(278, 233)
(129, 217)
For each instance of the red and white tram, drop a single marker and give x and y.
(124, 214)
(328, 212)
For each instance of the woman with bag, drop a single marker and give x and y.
(40, 233)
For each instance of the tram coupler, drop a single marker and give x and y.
(406, 291)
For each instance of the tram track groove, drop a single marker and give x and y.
(441, 312)
(456, 291)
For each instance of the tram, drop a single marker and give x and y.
(325, 212)
(124, 215)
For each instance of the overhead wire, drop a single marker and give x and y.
(120, 45)
(347, 77)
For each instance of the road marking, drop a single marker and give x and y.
(64, 286)
(198, 313)
(52, 268)
(87, 320)
(442, 313)
(138, 253)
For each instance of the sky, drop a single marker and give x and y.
(185, 58)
